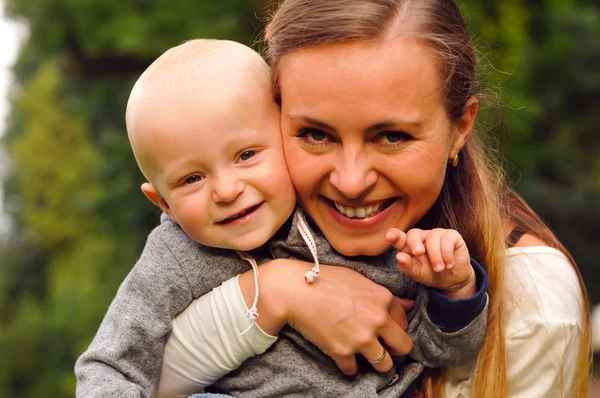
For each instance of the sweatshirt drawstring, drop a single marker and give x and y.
(252, 312)
(313, 274)
(309, 276)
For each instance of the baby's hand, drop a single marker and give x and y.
(438, 258)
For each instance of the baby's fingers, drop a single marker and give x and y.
(397, 238)
(448, 243)
(434, 250)
(414, 241)
(410, 267)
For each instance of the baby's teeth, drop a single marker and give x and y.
(360, 212)
(350, 212)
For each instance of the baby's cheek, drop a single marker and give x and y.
(192, 216)
(279, 177)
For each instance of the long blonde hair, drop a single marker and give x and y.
(475, 199)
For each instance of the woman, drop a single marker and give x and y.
(378, 101)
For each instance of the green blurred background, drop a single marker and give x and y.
(79, 220)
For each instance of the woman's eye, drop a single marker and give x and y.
(393, 137)
(193, 179)
(247, 155)
(313, 136)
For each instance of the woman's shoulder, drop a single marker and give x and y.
(542, 287)
(531, 255)
(543, 321)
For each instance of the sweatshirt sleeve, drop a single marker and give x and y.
(123, 359)
(448, 332)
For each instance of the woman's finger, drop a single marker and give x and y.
(378, 357)
(396, 339)
(347, 364)
(398, 309)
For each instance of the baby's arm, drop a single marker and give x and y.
(448, 332)
(123, 360)
(210, 338)
(449, 321)
(307, 307)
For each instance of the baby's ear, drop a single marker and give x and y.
(156, 198)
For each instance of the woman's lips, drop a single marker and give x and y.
(360, 216)
(364, 211)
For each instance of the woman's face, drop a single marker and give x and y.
(366, 137)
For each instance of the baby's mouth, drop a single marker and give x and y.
(361, 212)
(240, 214)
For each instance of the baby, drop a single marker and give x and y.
(205, 132)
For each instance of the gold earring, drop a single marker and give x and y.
(454, 161)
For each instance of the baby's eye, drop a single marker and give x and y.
(193, 179)
(313, 136)
(247, 155)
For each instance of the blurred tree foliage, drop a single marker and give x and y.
(82, 220)
(542, 63)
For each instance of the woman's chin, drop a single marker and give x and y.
(359, 247)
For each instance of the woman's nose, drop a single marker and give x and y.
(353, 174)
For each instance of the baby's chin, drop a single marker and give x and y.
(250, 246)
(242, 243)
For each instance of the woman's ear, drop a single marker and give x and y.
(155, 197)
(464, 125)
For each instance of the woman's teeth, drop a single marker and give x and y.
(358, 212)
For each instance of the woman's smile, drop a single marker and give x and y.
(361, 216)
(360, 211)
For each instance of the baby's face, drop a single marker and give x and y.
(218, 163)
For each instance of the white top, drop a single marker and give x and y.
(543, 326)
(596, 328)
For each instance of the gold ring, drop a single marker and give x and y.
(380, 359)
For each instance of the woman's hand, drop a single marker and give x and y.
(343, 313)
(438, 258)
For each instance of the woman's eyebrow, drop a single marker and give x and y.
(394, 124)
(375, 127)
(312, 121)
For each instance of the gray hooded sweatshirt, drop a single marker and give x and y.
(124, 359)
